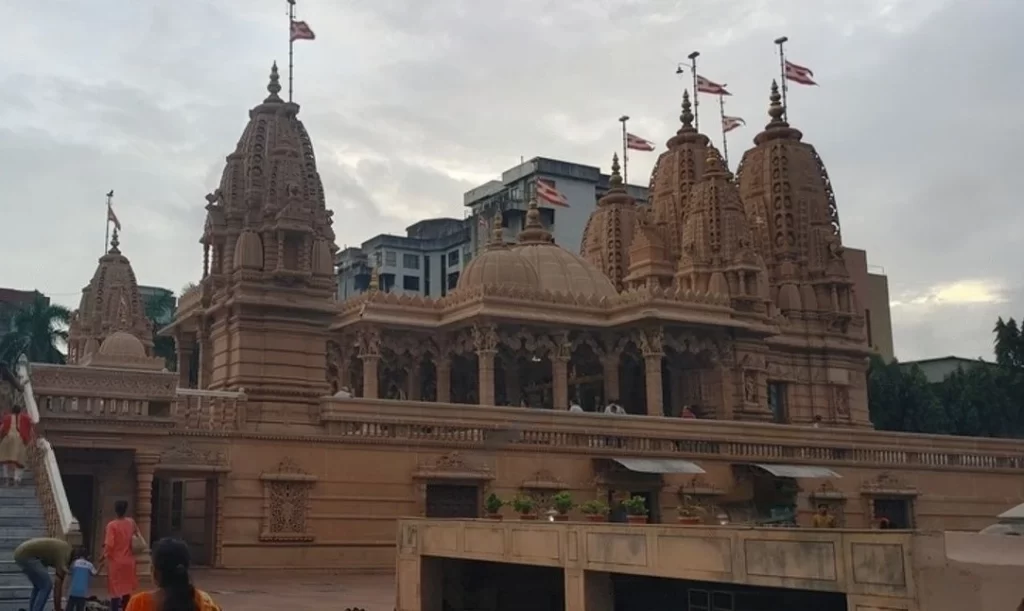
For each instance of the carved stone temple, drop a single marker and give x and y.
(297, 429)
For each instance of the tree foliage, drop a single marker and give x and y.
(159, 306)
(982, 401)
(38, 329)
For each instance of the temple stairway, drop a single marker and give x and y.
(21, 517)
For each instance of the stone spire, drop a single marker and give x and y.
(609, 231)
(534, 232)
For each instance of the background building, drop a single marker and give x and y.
(872, 287)
(12, 300)
(150, 294)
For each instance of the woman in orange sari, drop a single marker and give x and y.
(117, 551)
(175, 591)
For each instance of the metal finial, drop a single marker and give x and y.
(497, 234)
(776, 110)
(616, 179)
(374, 280)
(274, 86)
(533, 215)
(714, 164)
(687, 116)
(114, 243)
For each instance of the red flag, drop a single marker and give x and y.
(731, 123)
(638, 144)
(799, 74)
(547, 192)
(112, 218)
(302, 31)
(706, 86)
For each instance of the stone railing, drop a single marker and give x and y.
(209, 409)
(471, 426)
(60, 522)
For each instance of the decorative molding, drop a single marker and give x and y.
(286, 502)
(543, 480)
(827, 492)
(453, 466)
(185, 456)
(698, 486)
(887, 484)
(70, 380)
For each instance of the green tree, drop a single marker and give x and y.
(900, 400)
(159, 308)
(38, 329)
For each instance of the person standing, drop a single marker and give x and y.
(34, 557)
(175, 592)
(15, 433)
(120, 557)
(81, 571)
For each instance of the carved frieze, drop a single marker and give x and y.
(827, 491)
(750, 386)
(286, 503)
(698, 486)
(651, 342)
(453, 465)
(887, 484)
(543, 480)
(369, 344)
(83, 381)
(184, 454)
(485, 338)
(840, 400)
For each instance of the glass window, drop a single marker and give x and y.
(453, 258)
(411, 283)
(377, 258)
(777, 401)
(411, 261)
(390, 258)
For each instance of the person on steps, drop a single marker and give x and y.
(35, 557)
(15, 435)
(119, 557)
(175, 592)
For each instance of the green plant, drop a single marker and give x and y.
(636, 506)
(523, 504)
(689, 508)
(562, 502)
(594, 508)
(493, 503)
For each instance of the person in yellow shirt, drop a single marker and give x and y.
(824, 518)
(34, 557)
(175, 592)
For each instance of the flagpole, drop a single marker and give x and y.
(781, 40)
(725, 139)
(696, 94)
(291, 45)
(625, 155)
(106, 237)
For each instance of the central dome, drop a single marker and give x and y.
(559, 270)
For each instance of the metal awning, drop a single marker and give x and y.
(799, 471)
(659, 465)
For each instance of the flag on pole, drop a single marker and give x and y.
(706, 86)
(731, 123)
(637, 143)
(548, 193)
(302, 31)
(112, 218)
(799, 74)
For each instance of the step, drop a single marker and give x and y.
(8, 566)
(17, 592)
(24, 510)
(10, 501)
(21, 533)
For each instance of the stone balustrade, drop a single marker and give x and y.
(189, 409)
(472, 426)
(209, 410)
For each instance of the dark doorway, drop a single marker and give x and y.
(468, 584)
(453, 501)
(184, 508)
(80, 490)
(896, 511)
(641, 593)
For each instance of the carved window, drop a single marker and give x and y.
(777, 395)
(286, 501)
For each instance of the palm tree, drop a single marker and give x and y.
(37, 330)
(159, 310)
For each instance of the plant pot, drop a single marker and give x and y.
(595, 517)
(493, 516)
(561, 517)
(637, 519)
(690, 520)
(527, 516)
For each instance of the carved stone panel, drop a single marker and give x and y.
(286, 502)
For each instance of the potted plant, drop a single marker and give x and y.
(690, 512)
(636, 509)
(562, 503)
(493, 505)
(524, 504)
(595, 511)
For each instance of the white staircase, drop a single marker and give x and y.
(21, 518)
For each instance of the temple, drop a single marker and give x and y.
(297, 429)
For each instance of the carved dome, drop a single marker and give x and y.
(270, 186)
(558, 269)
(498, 265)
(123, 345)
(111, 302)
(675, 172)
(609, 231)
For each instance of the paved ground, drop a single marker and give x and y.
(262, 590)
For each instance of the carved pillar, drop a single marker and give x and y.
(485, 340)
(184, 349)
(443, 366)
(610, 365)
(145, 468)
(560, 358)
(653, 352)
(369, 353)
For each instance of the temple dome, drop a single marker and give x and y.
(498, 265)
(609, 231)
(111, 302)
(121, 344)
(559, 270)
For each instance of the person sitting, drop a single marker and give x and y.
(613, 407)
(575, 407)
(687, 412)
(175, 592)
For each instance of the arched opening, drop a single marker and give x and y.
(632, 380)
(586, 379)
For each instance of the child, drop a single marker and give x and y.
(81, 570)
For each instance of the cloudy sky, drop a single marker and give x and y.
(411, 103)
